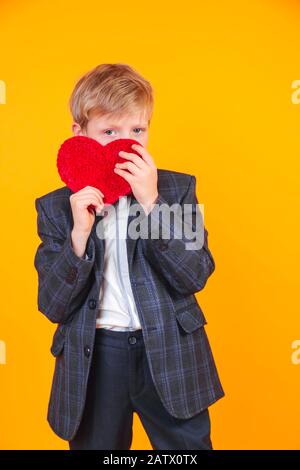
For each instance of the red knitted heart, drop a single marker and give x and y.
(82, 161)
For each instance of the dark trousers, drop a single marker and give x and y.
(120, 383)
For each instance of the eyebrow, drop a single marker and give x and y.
(115, 125)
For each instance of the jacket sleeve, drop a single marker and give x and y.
(63, 277)
(185, 270)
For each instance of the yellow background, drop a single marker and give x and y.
(222, 75)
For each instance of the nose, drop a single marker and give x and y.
(125, 136)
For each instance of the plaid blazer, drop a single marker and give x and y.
(164, 276)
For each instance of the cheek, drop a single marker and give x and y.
(94, 135)
(145, 143)
(100, 140)
(143, 140)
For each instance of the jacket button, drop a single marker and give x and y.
(92, 304)
(87, 351)
(132, 339)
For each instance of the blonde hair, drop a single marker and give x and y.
(110, 89)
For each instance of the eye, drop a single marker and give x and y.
(108, 130)
(140, 128)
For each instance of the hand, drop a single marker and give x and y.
(141, 175)
(83, 217)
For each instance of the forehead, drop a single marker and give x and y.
(134, 118)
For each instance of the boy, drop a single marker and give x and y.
(130, 334)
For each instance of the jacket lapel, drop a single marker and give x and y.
(130, 242)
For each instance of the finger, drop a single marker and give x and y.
(134, 170)
(143, 152)
(138, 161)
(125, 174)
(96, 189)
(91, 188)
(85, 201)
(86, 193)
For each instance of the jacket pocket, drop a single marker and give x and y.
(58, 341)
(190, 317)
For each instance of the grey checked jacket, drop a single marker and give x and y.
(164, 276)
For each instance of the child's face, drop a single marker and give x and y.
(107, 128)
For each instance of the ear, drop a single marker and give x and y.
(76, 129)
